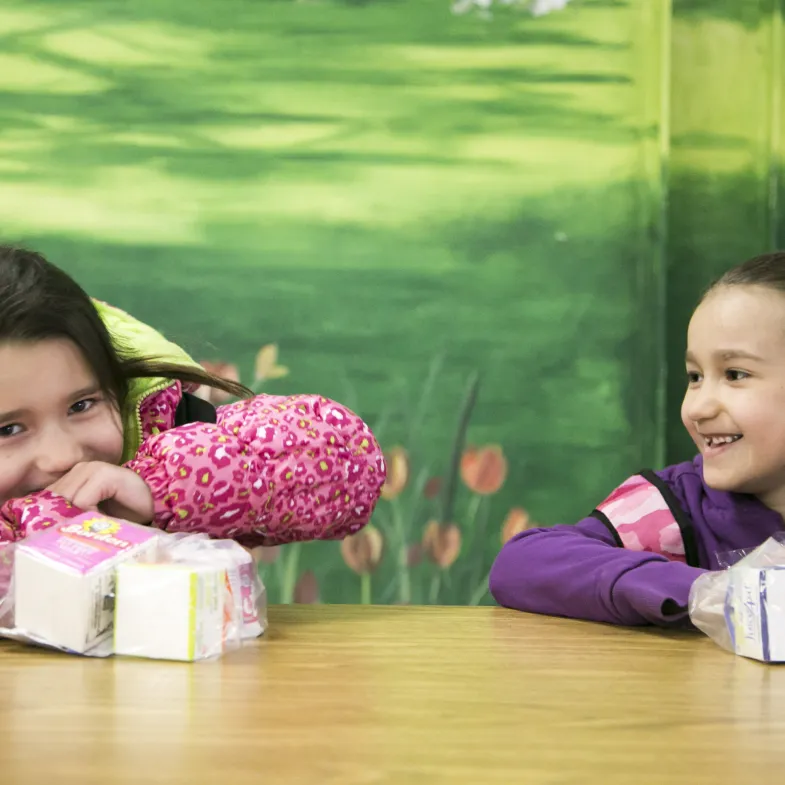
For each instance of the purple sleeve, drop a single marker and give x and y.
(579, 572)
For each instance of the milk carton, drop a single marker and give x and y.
(64, 578)
(174, 611)
(755, 612)
(248, 592)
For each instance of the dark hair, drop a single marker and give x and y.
(765, 270)
(40, 301)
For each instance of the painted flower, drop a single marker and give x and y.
(484, 469)
(362, 552)
(397, 461)
(517, 520)
(266, 364)
(432, 488)
(441, 543)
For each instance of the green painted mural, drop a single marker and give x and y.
(460, 220)
(727, 147)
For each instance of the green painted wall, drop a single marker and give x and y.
(420, 208)
(727, 147)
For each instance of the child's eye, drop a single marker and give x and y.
(83, 406)
(6, 431)
(733, 375)
(693, 377)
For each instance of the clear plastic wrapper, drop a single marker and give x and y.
(742, 608)
(249, 594)
(98, 586)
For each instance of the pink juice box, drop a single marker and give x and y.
(65, 577)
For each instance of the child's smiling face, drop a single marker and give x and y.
(53, 415)
(734, 407)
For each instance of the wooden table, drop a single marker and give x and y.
(368, 695)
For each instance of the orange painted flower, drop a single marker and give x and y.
(441, 543)
(517, 521)
(306, 591)
(484, 469)
(225, 370)
(362, 552)
(397, 461)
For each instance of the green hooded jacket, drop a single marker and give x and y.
(133, 338)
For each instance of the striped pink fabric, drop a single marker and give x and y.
(643, 519)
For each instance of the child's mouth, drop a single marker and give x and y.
(717, 443)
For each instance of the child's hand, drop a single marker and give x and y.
(114, 490)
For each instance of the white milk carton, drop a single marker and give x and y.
(174, 611)
(249, 593)
(755, 612)
(64, 578)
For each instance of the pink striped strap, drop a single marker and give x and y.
(643, 515)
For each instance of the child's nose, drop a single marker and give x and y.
(58, 455)
(702, 404)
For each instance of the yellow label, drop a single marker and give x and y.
(192, 617)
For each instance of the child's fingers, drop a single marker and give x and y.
(69, 485)
(99, 484)
(93, 486)
(90, 494)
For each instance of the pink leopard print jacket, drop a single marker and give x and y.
(270, 471)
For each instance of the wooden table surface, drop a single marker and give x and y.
(350, 694)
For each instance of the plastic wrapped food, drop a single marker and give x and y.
(98, 586)
(742, 608)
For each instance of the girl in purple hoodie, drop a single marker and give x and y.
(634, 559)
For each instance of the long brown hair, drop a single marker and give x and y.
(39, 301)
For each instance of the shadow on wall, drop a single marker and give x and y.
(750, 13)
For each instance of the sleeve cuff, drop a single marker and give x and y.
(658, 591)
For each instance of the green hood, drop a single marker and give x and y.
(133, 338)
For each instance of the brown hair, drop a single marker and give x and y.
(40, 301)
(765, 270)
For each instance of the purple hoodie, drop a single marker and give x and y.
(580, 571)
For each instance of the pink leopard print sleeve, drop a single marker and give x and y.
(272, 470)
(20, 517)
